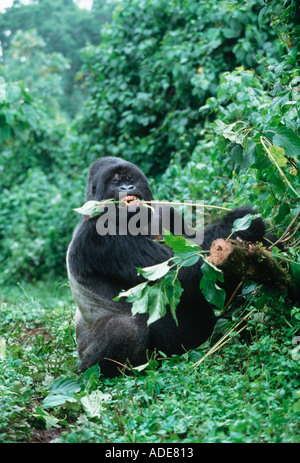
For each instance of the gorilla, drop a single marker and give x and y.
(100, 266)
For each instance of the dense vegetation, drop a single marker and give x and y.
(204, 97)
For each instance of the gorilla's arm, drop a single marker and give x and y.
(223, 228)
(108, 264)
(117, 257)
(99, 267)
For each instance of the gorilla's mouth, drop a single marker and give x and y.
(129, 200)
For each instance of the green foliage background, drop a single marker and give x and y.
(153, 89)
(157, 64)
(204, 97)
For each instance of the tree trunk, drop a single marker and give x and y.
(244, 261)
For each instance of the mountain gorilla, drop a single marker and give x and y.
(101, 265)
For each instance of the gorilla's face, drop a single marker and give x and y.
(124, 184)
(113, 178)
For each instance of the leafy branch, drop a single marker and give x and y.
(276, 155)
(91, 208)
(162, 287)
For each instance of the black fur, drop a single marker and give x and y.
(99, 267)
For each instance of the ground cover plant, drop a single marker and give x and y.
(204, 96)
(245, 392)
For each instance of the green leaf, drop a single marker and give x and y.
(155, 271)
(132, 294)
(278, 155)
(288, 140)
(190, 260)
(2, 89)
(284, 210)
(262, 162)
(173, 292)
(49, 420)
(157, 303)
(2, 348)
(13, 92)
(141, 304)
(296, 406)
(243, 223)
(208, 286)
(54, 400)
(212, 272)
(64, 385)
(186, 252)
(236, 154)
(141, 367)
(261, 15)
(275, 179)
(227, 131)
(93, 403)
(90, 207)
(30, 115)
(249, 156)
(62, 390)
(212, 292)
(180, 245)
(155, 298)
(138, 296)
(295, 272)
(231, 33)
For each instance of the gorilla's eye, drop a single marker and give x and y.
(116, 178)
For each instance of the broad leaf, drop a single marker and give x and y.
(212, 272)
(54, 400)
(278, 155)
(208, 286)
(212, 292)
(180, 245)
(49, 420)
(186, 252)
(243, 223)
(2, 89)
(141, 304)
(155, 271)
(90, 207)
(173, 292)
(132, 294)
(157, 303)
(190, 259)
(62, 390)
(226, 130)
(93, 403)
(289, 140)
(13, 92)
(2, 348)
(249, 156)
(64, 386)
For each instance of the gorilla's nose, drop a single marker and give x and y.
(127, 187)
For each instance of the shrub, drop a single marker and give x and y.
(157, 64)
